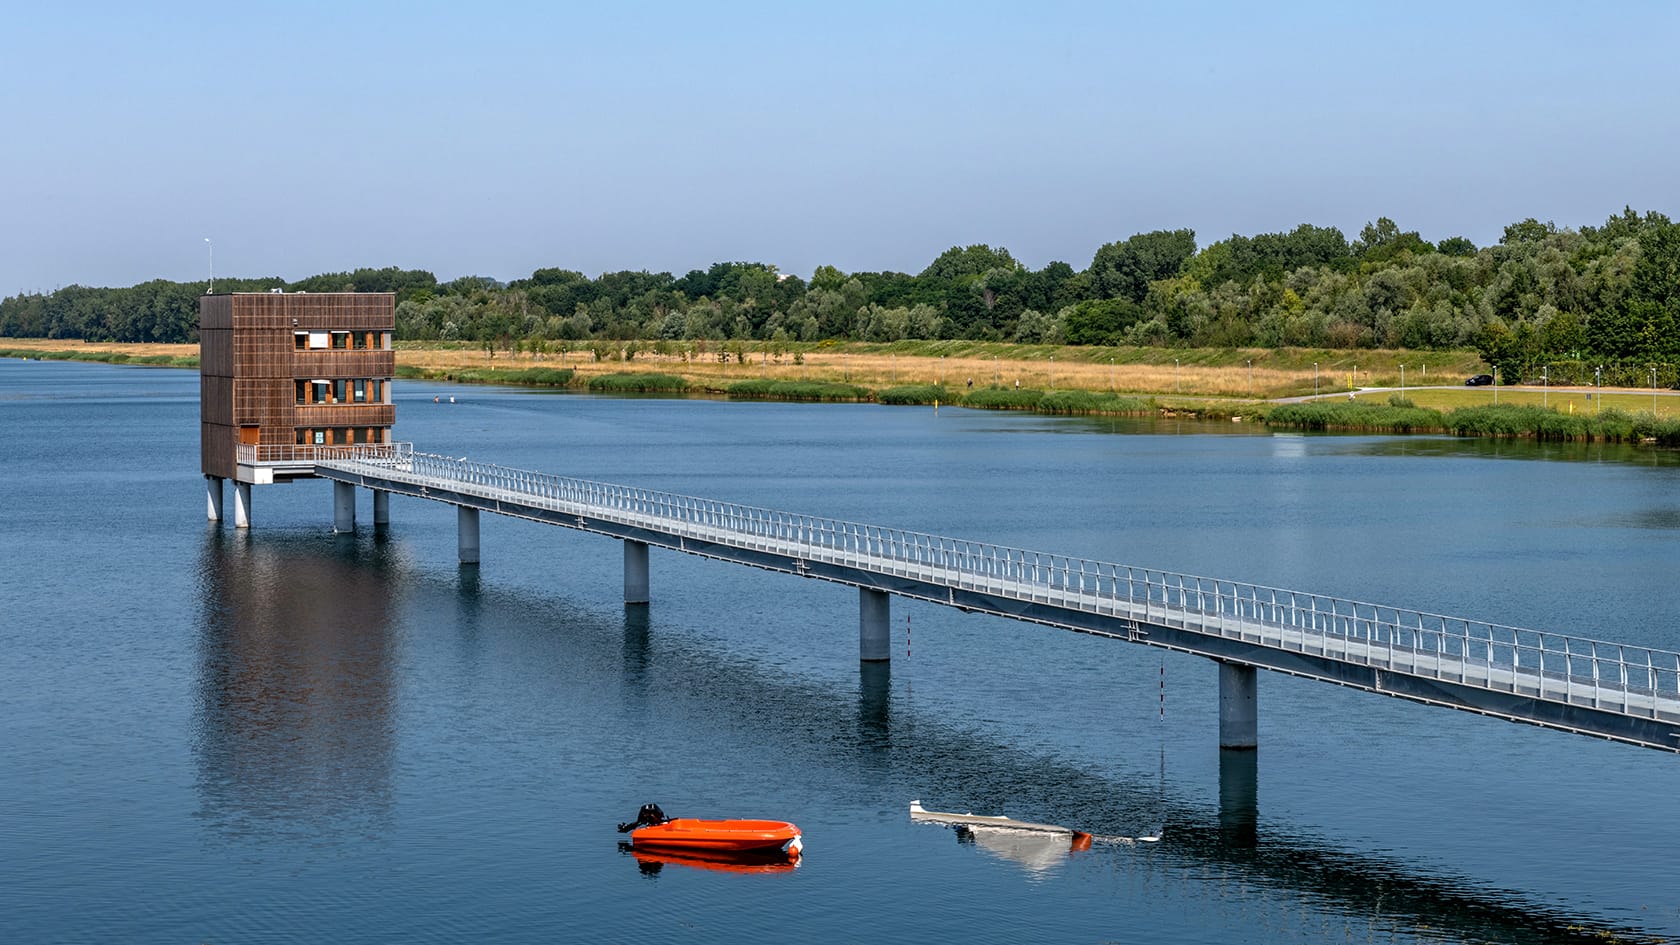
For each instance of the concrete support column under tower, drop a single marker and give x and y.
(1238, 713)
(874, 633)
(635, 572)
(344, 507)
(466, 526)
(381, 508)
(241, 504)
(213, 495)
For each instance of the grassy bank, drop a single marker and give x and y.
(1525, 421)
(104, 357)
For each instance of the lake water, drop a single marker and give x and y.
(209, 735)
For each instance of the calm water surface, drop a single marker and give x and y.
(287, 735)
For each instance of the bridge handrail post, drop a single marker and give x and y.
(1597, 691)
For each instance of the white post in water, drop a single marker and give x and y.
(874, 635)
(466, 527)
(635, 572)
(344, 507)
(381, 508)
(213, 496)
(1238, 713)
(241, 504)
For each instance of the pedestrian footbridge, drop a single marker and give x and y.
(1612, 690)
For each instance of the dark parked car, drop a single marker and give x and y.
(1480, 380)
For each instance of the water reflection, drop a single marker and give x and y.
(1502, 448)
(1239, 797)
(1037, 853)
(874, 707)
(295, 723)
(650, 862)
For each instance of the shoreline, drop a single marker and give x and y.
(1525, 412)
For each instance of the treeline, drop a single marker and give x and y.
(1569, 299)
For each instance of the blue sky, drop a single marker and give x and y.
(496, 138)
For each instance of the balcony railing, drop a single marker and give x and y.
(277, 454)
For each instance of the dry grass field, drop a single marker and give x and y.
(72, 344)
(877, 369)
(1272, 374)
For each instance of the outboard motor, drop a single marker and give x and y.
(650, 815)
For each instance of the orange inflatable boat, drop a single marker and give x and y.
(653, 831)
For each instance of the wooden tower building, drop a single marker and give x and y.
(286, 375)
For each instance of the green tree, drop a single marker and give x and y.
(1125, 269)
(966, 262)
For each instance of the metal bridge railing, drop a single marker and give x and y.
(1551, 666)
(382, 453)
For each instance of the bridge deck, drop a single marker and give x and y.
(1612, 690)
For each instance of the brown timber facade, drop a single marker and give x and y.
(278, 371)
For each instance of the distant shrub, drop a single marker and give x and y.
(539, 377)
(1084, 401)
(1511, 420)
(1353, 415)
(1003, 398)
(625, 383)
(764, 389)
(911, 394)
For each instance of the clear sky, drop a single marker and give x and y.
(496, 138)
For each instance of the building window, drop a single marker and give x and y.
(359, 391)
(323, 391)
(302, 436)
(340, 339)
(385, 341)
(338, 392)
(302, 392)
(320, 437)
(300, 340)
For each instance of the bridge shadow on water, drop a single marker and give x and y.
(296, 733)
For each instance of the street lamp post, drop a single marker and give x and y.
(1653, 390)
(1175, 375)
(1545, 385)
(1052, 372)
(1251, 377)
(1402, 382)
(1315, 378)
(211, 248)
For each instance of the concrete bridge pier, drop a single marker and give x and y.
(241, 504)
(635, 572)
(213, 495)
(874, 632)
(466, 528)
(381, 508)
(344, 507)
(1238, 713)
